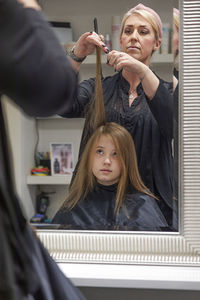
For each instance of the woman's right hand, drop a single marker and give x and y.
(87, 43)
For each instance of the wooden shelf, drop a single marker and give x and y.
(156, 59)
(51, 180)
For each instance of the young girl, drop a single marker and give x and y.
(107, 192)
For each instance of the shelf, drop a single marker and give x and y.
(54, 180)
(51, 117)
(132, 276)
(156, 59)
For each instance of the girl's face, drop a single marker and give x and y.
(138, 39)
(106, 165)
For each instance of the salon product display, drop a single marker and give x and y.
(40, 171)
(42, 203)
(43, 164)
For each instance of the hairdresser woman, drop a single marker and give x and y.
(135, 98)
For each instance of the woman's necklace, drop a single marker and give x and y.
(131, 96)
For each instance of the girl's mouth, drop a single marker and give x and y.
(106, 171)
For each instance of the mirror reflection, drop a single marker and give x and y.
(110, 189)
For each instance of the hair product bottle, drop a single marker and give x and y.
(115, 32)
(108, 41)
(56, 166)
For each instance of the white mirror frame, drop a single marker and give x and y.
(180, 248)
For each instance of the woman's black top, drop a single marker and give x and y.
(150, 123)
(34, 71)
(96, 212)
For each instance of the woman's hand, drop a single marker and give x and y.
(87, 42)
(121, 60)
(30, 4)
(133, 67)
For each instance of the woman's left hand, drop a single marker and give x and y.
(121, 60)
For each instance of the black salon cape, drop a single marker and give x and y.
(31, 59)
(140, 212)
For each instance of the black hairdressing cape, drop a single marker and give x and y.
(139, 212)
(35, 73)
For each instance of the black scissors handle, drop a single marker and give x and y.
(96, 30)
(95, 26)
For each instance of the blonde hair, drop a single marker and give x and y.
(84, 181)
(176, 19)
(176, 24)
(147, 16)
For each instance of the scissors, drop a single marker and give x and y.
(96, 26)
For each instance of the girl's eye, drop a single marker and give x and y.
(99, 151)
(115, 154)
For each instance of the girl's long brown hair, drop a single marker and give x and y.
(95, 111)
(84, 181)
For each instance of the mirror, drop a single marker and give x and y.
(163, 68)
(181, 248)
(49, 133)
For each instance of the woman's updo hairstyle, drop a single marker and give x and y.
(148, 14)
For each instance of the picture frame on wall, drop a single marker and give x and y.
(62, 162)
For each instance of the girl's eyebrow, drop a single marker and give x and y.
(104, 147)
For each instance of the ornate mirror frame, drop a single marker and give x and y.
(182, 248)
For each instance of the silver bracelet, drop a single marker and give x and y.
(74, 57)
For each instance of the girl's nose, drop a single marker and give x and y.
(107, 161)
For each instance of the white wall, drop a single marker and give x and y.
(21, 132)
